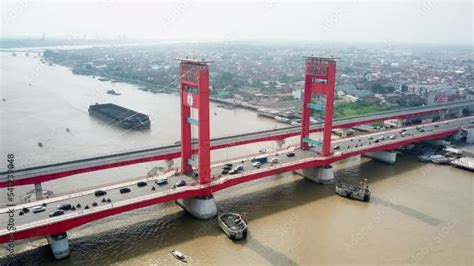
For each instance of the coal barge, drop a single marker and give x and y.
(119, 116)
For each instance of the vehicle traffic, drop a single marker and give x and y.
(180, 183)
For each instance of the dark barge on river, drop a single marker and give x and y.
(119, 116)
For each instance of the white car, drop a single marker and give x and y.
(257, 164)
(162, 180)
(38, 209)
(392, 137)
(274, 160)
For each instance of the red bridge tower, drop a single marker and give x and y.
(194, 90)
(320, 79)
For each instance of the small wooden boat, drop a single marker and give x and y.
(178, 255)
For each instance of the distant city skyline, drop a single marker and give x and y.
(431, 22)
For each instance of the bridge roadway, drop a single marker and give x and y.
(40, 224)
(44, 173)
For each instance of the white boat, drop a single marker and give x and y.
(233, 225)
(180, 256)
(282, 119)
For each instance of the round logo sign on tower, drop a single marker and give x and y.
(190, 99)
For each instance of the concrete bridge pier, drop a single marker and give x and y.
(280, 143)
(345, 132)
(202, 208)
(169, 164)
(38, 191)
(322, 175)
(442, 115)
(59, 245)
(389, 157)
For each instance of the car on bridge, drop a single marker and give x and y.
(56, 213)
(180, 183)
(100, 193)
(65, 207)
(38, 209)
(125, 190)
(162, 180)
(236, 169)
(142, 184)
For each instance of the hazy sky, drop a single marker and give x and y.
(431, 21)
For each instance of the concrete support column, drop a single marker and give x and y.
(470, 135)
(345, 132)
(280, 143)
(169, 164)
(389, 157)
(442, 115)
(39, 191)
(202, 208)
(322, 175)
(59, 245)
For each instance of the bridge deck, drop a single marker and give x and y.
(33, 225)
(31, 175)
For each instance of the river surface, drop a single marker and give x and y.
(419, 213)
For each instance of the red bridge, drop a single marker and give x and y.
(197, 177)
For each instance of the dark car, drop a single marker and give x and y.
(65, 207)
(26, 210)
(224, 172)
(100, 193)
(226, 167)
(56, 213)
(290, 154)
(180, 183)
(142, 184)
(125, 190)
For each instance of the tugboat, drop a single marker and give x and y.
(180, 256)
(233, 225)
(354, 192)
(113, 92)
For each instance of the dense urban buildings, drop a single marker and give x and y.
(370, 77)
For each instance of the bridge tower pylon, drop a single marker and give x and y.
(319, 81)
(194, 92)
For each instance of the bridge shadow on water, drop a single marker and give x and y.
(166, 226)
